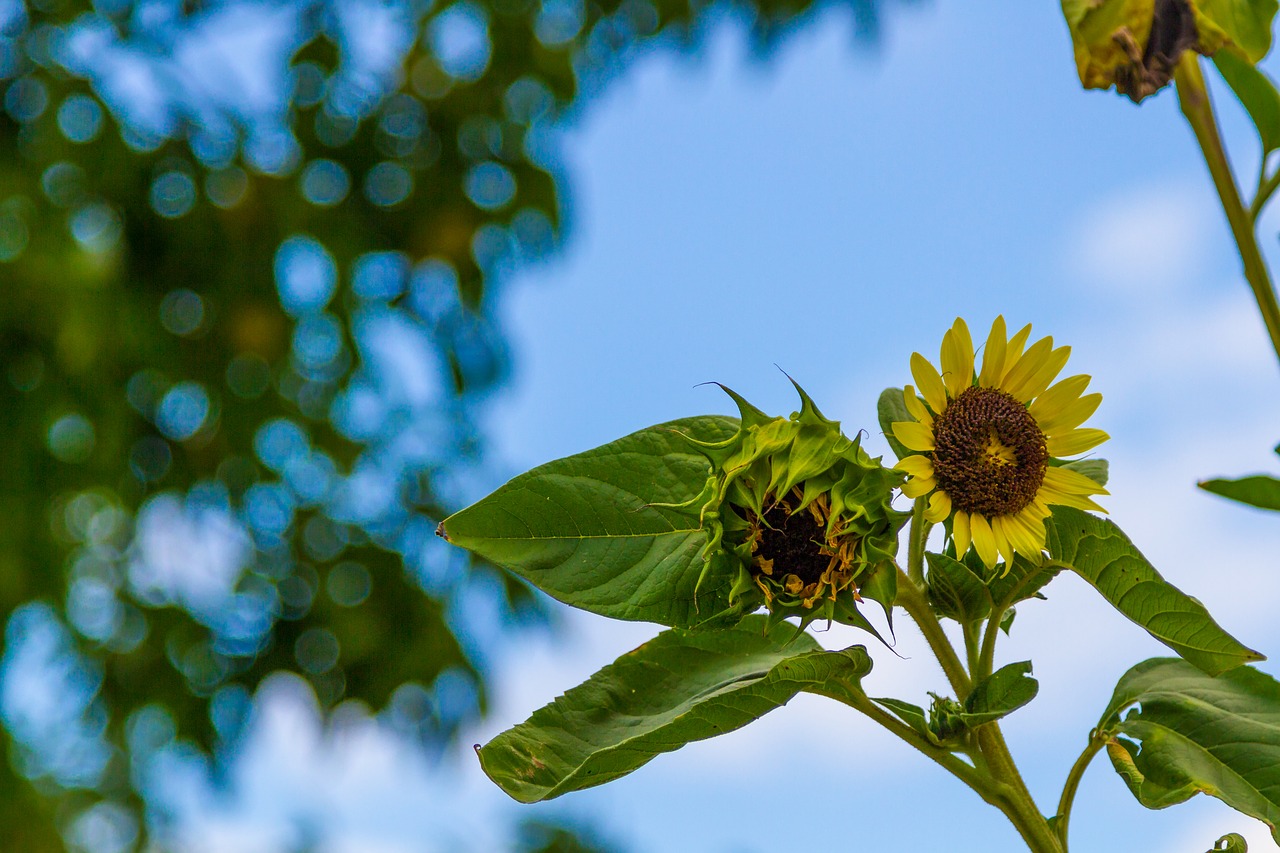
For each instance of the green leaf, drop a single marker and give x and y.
(1000, 694)
(587, 529)
(1232, 842)
(955, 591)
(679, 687)
(912, 715)
(1190, 732)
(1246, 24)
(1257, 94)
(1259, 490)
(1097, 470)
(891, 410)
(1023, 580)
(1099, 552)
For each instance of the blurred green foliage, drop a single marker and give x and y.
(244, 250)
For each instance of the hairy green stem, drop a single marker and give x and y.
(912, 599)
(1010, 793)
(853, 696)
(1193, 98)
(971, 650)
(987, 654)
(1097, 740)
(915, 541)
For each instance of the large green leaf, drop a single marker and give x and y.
(679, 687)
(1257, 94)
(1191, 732)
(589, 531)
(1099, 552)
(1259, 490)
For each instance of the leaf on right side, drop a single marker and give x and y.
(1259, 490)
(1257, 94)
(1190, 732)
(1098, 551)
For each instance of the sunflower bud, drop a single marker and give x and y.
(800, 516)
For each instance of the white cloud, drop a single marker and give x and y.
(1144, 240)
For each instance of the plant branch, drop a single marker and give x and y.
(915, 541)
(987, 654)
(913, 600)
(1193, 98)
(1097, 739)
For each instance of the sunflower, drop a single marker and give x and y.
(988, 443)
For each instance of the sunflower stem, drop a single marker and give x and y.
(1193, 98)
(987, 654)
(973, 655)
(915, 541)
(1097, 740)
(913, 600)
(1017, 803)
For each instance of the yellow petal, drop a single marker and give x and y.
(1071, 415)
(1066, 481)
(918, 486)
(1003, 547)
(914, 436)
(1013, 351)
(1027, 366)
(957, 358)
(960, 532)
(1076, 441)
(1076, 501)
(984, 541)
(993, 355)
(915, 407)
(1046, 374)
(1030, 527)
(929, 382)
(939, 507)
(1048, 405)
(916, 466)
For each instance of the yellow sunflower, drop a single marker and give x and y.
(987, 443)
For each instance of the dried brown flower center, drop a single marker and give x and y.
(793, 544)
(989, 453)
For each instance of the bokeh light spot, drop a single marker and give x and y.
(325, 182)
(490, 186)
(226, 187)
(182, 311)
(459, 38)
(71, 438)
(80, 118)
(387, 184)
(306, 275)
(348, 584)
(173, 194)
(316, 650)
(183, 411)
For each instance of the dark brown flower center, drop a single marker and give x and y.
(793, 544)
(989, 453)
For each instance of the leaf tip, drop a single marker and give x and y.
(444, 534)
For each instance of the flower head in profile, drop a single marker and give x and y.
(988, 443)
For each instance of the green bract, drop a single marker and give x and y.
(800, 516)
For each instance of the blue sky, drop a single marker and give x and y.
(829, 210)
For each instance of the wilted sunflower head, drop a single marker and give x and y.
(801, 516)
(988, 444)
